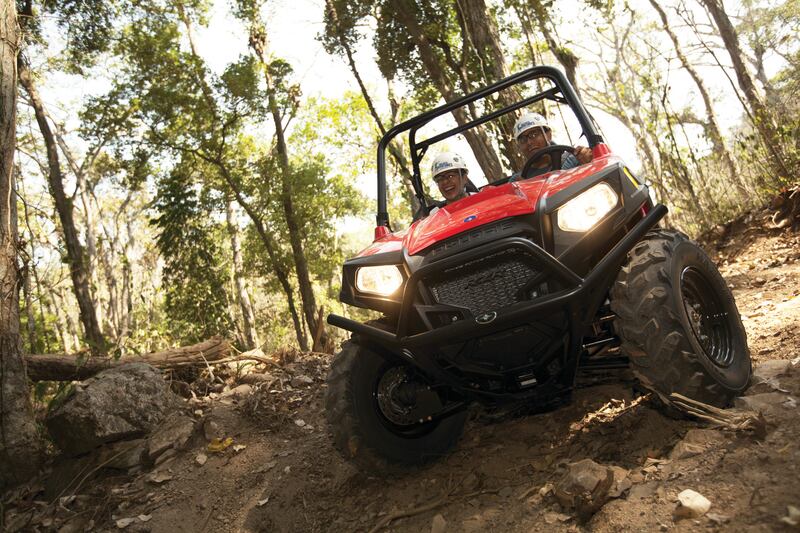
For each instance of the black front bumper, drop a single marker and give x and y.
(577, 297)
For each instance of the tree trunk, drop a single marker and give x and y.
(476, 137)
(62, 328)
(564, 56)
(762, 118)
(90, 251)
(20, 447)
(266, 239)
(480, 31)
(712, 125)
(258, 42)
(393, 148)
(75, 254)
(75, 367)
(242, 295)
(271, 247)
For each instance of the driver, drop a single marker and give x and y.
(534, 133)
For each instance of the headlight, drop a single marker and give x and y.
(382, 280)
(586, 209)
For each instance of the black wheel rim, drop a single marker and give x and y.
(393, 410)
(708, 317)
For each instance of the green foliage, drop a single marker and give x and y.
(194, 270)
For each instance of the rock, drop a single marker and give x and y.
(555, 518)
(438, 524)
(255, 377)
(691, 504)
(621, 483)
(174, 432)
(792, 517)
(764, 402)
(766, 374)
(643, 490)
(166, 456)
(718, 518)
(695, 442)
(237, 393)
(124, 454)
(122, 523)
(159, 477)
(584, 487)
(181, 388)
(211, 430)
(118, 403)
(301, 381)
(201, 459)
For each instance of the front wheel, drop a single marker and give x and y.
(678, 321)
(372, 404)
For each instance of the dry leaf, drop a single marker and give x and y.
(218, 445)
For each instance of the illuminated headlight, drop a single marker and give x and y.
(585, 210)
(381, 280)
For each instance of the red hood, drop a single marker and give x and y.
(492, 203)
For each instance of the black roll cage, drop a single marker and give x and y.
(562, 92)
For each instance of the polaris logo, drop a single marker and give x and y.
(486, 318)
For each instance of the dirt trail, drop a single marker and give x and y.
(288, 478)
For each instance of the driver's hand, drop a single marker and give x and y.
(583, 154)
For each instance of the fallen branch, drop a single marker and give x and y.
(724, 418)
(64, 367)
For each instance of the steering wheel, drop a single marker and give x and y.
(556, 152)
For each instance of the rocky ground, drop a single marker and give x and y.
(257, 456)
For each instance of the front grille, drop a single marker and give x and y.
(485, 284)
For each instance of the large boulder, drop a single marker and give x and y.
(119, 403)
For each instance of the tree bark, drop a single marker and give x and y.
(476, 137)
(76, 367)
(266, 239)
(762, 117)
(481, 33)
(712, 125)
(62, 327)
(242, 295)
(393, 148)
(75, 253)
(258, 42)
(20, 446)
(271, 247)
(564, 56)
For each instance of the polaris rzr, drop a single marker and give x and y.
(503, 296)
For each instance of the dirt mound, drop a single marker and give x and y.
(278, 471)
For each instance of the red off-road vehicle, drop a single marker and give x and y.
(504, 295)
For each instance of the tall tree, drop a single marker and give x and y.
(242, 295)
(20, 446)
(762, 118)
(259, 43)
(75, 253)
(76, 258)
(337, 41)
(434, 52)
(712, 124)
(482, 42)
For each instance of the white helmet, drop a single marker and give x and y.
(527, 121)
(447, 161)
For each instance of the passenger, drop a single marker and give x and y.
(533, 133)
(450, 173)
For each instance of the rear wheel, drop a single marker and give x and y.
(372, 406)
(678, 321)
